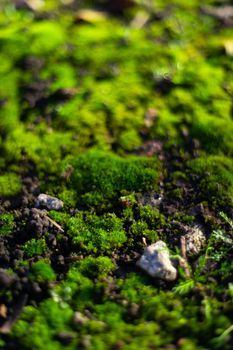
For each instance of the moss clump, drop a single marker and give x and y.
(213, 175)
(42, 272)
(10, 184)
(7, 224)
(110, 323)
(140, 229)
(38, 327)
(152, 216)
(96, 233)
(69, 198)
(96, 267)
(45, 37)
(215, 134)
(100, 176)
(35, 247)
(44, 148)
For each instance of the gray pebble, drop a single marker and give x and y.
(48, 202)
(156, 262)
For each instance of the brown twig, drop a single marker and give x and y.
(183, 247)
(50, 220)
(55, 224)
(183, 261)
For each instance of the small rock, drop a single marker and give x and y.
(36, 288)
(153, 199)
(52, 240)
(79, 318)
(5, 279)
(66, 337)
(195, 240)
(156, 262)
(60, 260)
(48, 202)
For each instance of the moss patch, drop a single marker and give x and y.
(123, 110)
(10, 184)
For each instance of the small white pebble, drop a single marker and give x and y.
(156, 262)
(48, 202)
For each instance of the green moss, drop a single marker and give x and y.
(68, 197)
(129, 140)
(152, 216)
(96, 233)
(214, 178)
(35, 247)
(44, 148)
(42, 272)
(10, 184)
(215, 134)
(101, 175)
(60, 218)
(96, 267)
(182, 217)
(77, 290)
(7, 224)
(140, 229)
(39, 326)
(9, 112)
(45, 36)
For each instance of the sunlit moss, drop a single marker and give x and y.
(96, 234)
(10, 184)
(42, 272)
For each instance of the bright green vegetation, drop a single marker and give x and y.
(10, 184)
(113, 321)
(100, 177)
(215, 178)
(96, 234)
(7, 224)
(42, 272)
(34, 247)
(96, 267)
(128, 120)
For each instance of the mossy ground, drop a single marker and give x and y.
(125, 114)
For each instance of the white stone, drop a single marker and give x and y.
(48, 202)
(156, 262)
(79, 318)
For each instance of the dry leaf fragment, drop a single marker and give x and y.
(3, 311)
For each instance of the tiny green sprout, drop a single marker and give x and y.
(226, 218)
(220, 341)
(184, 287)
